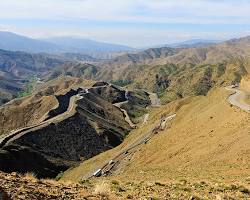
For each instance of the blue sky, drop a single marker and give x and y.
(136, 23)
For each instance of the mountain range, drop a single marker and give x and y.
(138, 68)
(162, 123)
(14, 42)
(193, 43)
(69, 44)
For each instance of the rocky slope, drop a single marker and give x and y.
(208, 140)
(207, 54)
(34, 108)
(232, 49)
(154, 69)
(115, 68)
(94, 126)
(122, 68)
(146, 56)
(9, 86)
(175, 81)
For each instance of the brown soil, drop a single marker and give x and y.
(27, 187)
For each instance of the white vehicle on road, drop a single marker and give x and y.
(111, 162)
(236, 85)
(97, 173)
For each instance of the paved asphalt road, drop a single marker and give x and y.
(237, 98)
(19, 132)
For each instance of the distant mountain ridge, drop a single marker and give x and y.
(193, 43)
(74, 44)
(16, 67)
(178, 72)
(13, 42)
(201, 54)
(143, 56)
(23, 64)
(185, 44)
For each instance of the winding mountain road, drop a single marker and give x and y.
(114, 163)
(126, 116)
(237, 98)
(15, 134)
(107, 167)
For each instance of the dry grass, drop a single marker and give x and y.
(207, 140)
(245, 86)
(87, 167)
(30, 176)
(19, 186)
(102, 188)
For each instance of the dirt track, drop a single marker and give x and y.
(113, 164)
(126, 116)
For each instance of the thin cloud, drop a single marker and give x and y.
(131, 22)
(163, 11)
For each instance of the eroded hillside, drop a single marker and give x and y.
(35, 108)
(207, 140)
(90, 125)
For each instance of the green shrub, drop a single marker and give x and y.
(202, 87)
(221, 68)
(237, 77)
(137, 114)
(114, 182)
(121, 83)
(205, 83)
(28, 87)
(59, 176)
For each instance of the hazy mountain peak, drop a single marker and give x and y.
(14, 42)
(85, 44)
(194, 43)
